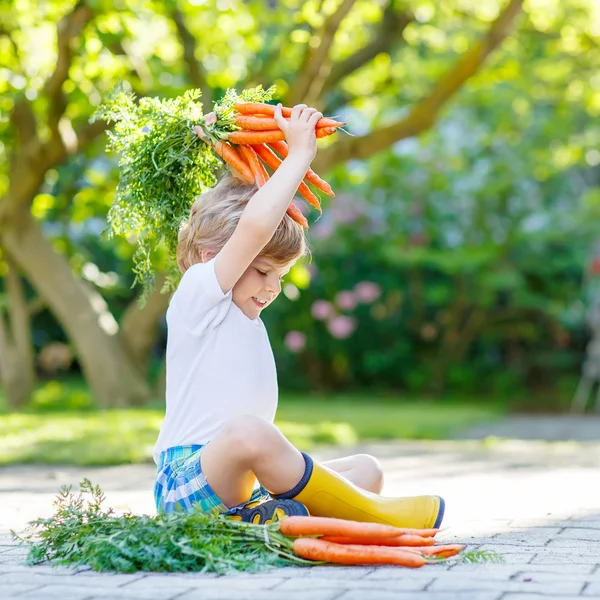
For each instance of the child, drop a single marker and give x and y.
(218, 436)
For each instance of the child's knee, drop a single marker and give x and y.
(250, 436)
(372, 470)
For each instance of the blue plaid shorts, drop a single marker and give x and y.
(181, 485)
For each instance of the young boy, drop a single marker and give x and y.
(218, 446)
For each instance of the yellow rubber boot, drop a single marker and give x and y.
(327, 494)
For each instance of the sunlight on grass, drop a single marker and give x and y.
(128, 436)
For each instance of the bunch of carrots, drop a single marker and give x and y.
(353, 543)
(260, 142)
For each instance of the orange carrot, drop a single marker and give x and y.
(260, 177)
(273, 161)
(441, 551)
(256, 137)
(234, 160)
(298, 526)
(282, 149)
(324, 131)
(397, 540)
(313, 549)
(295, 213)
(251, 108)
(263, 122)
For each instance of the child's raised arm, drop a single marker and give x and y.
(267, 207)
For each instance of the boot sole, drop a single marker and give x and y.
(266, 511)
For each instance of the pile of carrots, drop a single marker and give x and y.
(352, 543)
(260, 142)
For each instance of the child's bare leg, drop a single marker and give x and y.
(249, 448)
(363, 470)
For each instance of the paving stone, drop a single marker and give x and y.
(544, 577)
(14, 590)
(592, 590)
(262, 595)
(577, 533)
(250, 583)
(398, 582)
(45, 569)
(80, 592)
(547, 539)
(539, 536)
(391, 595)
(460, 582)
(565, 558)
(517, 596)
(109, 581)
(333, 572)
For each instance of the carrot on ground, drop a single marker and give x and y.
(314, 549)
(273, 161)
(396, 540)
(441, 551)
(234, 160)
(282, 149)
(329, 526)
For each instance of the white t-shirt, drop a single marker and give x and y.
(219, 362)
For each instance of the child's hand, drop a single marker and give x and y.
(300, 131)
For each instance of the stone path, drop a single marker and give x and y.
(535, 503)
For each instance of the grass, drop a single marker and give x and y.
(94, 437)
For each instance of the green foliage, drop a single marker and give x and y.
(81, 533)
(480, 556)
(54, 396)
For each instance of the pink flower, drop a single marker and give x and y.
(367, 291)
(321, 310)
(341, 327)
(295, 341)
(346, 300)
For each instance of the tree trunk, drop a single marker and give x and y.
(139, 325)
(17, 368)
(82, 312)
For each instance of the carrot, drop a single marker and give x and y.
(258, 172)
(282, 149)
(295, 213)
(233, 159)
(328, 526)
(255, 137)
(441, 551)
(273, 161)
(263, 122)
(313, 549)
(251, 108)
(325, 131)
(397, 540)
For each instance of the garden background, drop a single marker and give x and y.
(451, 277)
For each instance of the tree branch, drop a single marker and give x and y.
(425, 113)
(195, 70)
(68, 28)
(387, 35)
(316, 63)
(23, 120)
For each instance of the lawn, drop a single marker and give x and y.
(94, 437)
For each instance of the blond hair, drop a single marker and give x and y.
(214, 217)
